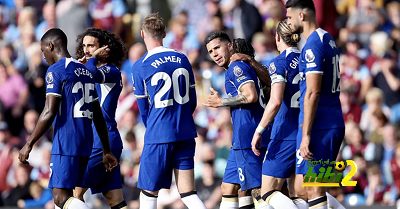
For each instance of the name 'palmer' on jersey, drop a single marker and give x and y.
(166, 59)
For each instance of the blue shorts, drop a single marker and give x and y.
(280, 160)
(96, 178)
(66, 172)
(158, 161)
(244, 168)
(324, 145)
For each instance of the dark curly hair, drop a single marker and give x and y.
(114, 43)
(240, 45)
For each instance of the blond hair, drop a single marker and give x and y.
(286, 33)
(374, 93)
(153, 25)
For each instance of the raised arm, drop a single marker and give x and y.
(261, 71)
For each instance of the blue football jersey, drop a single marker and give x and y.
(284, 68)
(320, 55)
(108, 87)
(70, 80)
(164, 76)
(246, 117)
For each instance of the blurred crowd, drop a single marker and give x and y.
(367, 33)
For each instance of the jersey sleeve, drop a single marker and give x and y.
(98, 75)
(54, 82)
(314, 59)
(240, 74)
(139, 86)
(111, 74)
(277, 71)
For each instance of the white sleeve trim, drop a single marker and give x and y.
(53, 94)
(244, 83)
(104, 76)
(141, 96)
(315, 72)
(278, 79)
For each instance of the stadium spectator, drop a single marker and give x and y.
(107, 15)
(49, 19)
(21, 189)
(364, 21)
(135, 52)
(39, 194)
(14, 96)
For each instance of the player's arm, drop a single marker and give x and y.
(143, 104)
(140, 92)
(273, 105)
(247, 94)
(101, 127)
(261, 71)
(192, 91)
(45, 120)
(313, 82)
(91, 64)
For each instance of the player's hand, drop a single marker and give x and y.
(304, 148)
(101, 53)
(256, 143)
(214, 99)
(83, 60)
(240, 57)
(110, 162)
(24, 154)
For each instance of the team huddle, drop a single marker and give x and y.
(283, 115)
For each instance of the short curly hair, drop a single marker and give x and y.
(114, 43)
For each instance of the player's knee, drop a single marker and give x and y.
(60, 200)
(229, 189)
(121, 205)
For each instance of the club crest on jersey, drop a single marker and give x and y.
(309, 55)
(237, 71)
(272, 68)
(49, 77)
(106, 69)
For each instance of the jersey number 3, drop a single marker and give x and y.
(167, 86)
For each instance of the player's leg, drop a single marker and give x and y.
(297, 194)
(230, 184)
(333, 202)
(101, 181)
(79, 192)
(324, 145)
(250, 172)
(183, 155)
(153, 178)
(279, 164)
(66, 173)
(229, 192)
(115, 199)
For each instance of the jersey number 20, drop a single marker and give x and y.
(167, 86)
